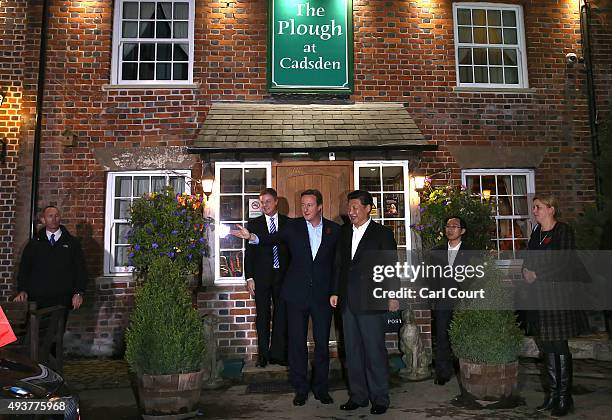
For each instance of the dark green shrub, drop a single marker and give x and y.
(165, 334)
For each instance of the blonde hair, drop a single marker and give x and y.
(549, 201)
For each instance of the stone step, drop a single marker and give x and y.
(596, 347)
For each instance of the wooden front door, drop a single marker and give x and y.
(333, 179)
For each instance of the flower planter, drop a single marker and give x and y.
(489, 382)
(169, 396)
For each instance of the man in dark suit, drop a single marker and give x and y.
(364, 244)
(453, 253)
(306, 289)
(264, 268)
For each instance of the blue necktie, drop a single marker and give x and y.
(52, 239)
(274, 248)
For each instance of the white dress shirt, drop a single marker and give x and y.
(358, 233)
(452, 253)
(57, 234)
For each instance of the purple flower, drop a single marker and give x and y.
(154, 245)
(137, 247)
(131, 254)
(171, 254)
(189, 257)
(184, 211)
(174, 232)
(202, 240)
(192, 245)
(420, 228)
(422, 209)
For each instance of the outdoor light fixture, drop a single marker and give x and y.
(208, 179)
(419, 182)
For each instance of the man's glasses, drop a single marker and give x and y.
(452, 227)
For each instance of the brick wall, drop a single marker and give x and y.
(403, 51)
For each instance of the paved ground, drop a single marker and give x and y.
(106, 394)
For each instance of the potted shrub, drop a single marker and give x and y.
(165, 342)
(487, 340)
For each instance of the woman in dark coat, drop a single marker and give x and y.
(547, 263)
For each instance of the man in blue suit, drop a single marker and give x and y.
(306, 290)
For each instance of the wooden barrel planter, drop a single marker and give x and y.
(169, 396)
(489, 382)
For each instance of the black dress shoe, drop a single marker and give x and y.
(262, 362)
(324, 398)
(300, 399)
(351, 405)
(378, 409)
(441, 380)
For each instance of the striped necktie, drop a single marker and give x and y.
(274, 248)
(52, 239)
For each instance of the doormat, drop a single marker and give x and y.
(284, 387)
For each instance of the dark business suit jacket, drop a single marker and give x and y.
(439, 256)
(258, 260)
(354, 282)
(306, 281)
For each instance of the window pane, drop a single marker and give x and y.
(231, 180)
(146, 71)
(393, 178)
(163, 30)
(164, 71)
(178, 184)
(495, 36)
(496, 75)
(519, 184)
(399, 230)
(164, 52)
(394, 205)
(465, 74)
(180, 29)
(479, 17)
(254, 180)
(248, 199)
(129, 71)
(465, 56)
(494, 17)
(130, 10)
(141, 185)
(488, 183)
(369, 179)
(480, 35)
(146, 29)
(181, 11)
(130, 29)
(511, 74)
(464, 17)
(376, 207)
(164, 11)
(181, 52)
(480, 56)
(509, 18)
(230, 263)
(123, 186)
(505, 228)
(521, 229)
(473, 183)
(130, 52)
(481, 75)
(121, 256)
(510, 57)
(465, 34)
(504, 206)
(122, 208)
(147, 10)
(520, 206)
(147, 52)
(158, 183)
(121, 232)
(510, 37)
(231, 242)
(495, 56)
(230, 207)
(504, 185)
(180, 71)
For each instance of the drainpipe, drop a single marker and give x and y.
(42, 67)
(585, 31)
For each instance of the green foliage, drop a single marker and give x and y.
(165, 224)
(442, 202)
(483, 335)
(165, 334)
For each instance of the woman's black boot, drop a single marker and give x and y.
(551, 366)
(566, 403)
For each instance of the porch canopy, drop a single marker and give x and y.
(286, 130)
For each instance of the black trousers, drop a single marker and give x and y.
(321, 315)
(366, 357)
(444, 357)
(267, 294)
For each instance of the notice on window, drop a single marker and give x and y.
(254, 208)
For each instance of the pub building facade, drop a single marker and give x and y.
(294, 94)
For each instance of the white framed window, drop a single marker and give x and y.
(512, 191)
(237, 185)
(122, 188)
(490, 49)
(153, 42)
(387, 181)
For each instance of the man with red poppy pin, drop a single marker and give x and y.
(311, 240)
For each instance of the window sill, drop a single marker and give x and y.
(150, 86)
(480, 89)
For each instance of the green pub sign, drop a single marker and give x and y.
(310, 46)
